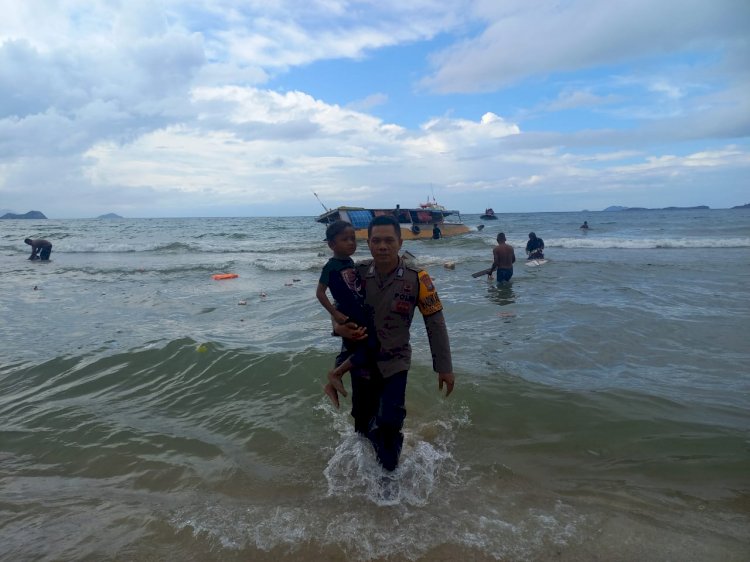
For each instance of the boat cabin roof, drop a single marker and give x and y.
(360, 217)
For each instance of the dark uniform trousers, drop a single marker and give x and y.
(378, 402)
(378, 408)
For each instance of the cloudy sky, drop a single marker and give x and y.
(166, 108)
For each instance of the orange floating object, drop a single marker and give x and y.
(219, 276)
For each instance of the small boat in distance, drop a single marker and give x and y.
(489, 215)
(416, 223)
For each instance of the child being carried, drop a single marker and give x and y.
(341, 277)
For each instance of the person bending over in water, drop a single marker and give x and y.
(341, 277)
(535, 247)
(40, 249)
(503, 259)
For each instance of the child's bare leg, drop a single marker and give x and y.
(332, 394)
(334, 385)
(342, 369)
(335, 376)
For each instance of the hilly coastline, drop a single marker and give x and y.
(619, 208)
(40, 215)
(29, 215)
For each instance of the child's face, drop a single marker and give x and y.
(345, 243)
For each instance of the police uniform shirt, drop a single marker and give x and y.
(393, 301)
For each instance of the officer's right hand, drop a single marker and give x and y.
(449, 381)
(350, 331)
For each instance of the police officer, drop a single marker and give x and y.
(393, 290)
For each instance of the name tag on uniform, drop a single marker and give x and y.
(403, 302)
(401, 306)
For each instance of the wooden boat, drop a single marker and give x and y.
(416, 223)
(489, 215)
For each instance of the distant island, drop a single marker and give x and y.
(109, 216)
(29, 215)
(745, 206)
(618, 208)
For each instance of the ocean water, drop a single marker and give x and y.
(601, 411)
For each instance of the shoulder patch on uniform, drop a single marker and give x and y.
(426, 280)
(428, 300)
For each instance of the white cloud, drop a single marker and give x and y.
(670, 164)
(669, 90)
(357, 155)
(371, 101)
(573, 99)
(461, 136)
(525, 38)
(115, 105)
(343, 147)
(278, 35)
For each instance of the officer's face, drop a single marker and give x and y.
(384, 245)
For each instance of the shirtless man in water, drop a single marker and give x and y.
(504, 258)
(40, 249)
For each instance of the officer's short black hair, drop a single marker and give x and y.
(336, 228)
(501, 237)
(383, 220)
